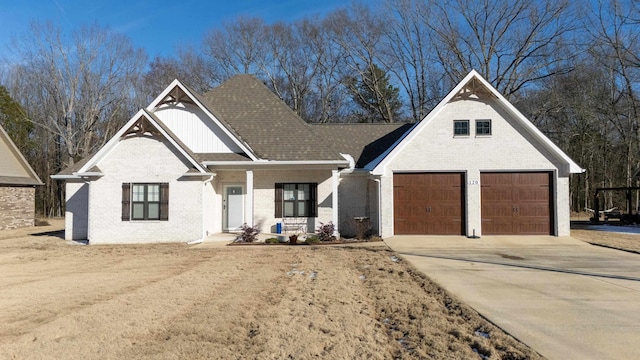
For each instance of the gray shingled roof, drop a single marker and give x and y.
(265, 122)
(69, 170)
(201, 157)
(256, 116)
(365, 142)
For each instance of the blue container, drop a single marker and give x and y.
(278, 228)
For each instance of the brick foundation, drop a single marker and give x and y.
(17, 207)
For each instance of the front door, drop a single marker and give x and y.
(233, 207)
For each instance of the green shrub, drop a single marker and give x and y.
(311, 240)
(271, 241)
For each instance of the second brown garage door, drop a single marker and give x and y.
(428, 203)
(516, 203)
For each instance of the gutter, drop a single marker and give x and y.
(204, 231)
(277, 162)
(379, 206)
(352, 164)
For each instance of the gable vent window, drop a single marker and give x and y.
(483, 127)
(296, 200)
(460, 127)
(145, 201)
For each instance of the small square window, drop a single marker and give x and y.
(460, 127)
(483, 127)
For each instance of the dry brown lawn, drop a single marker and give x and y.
(627, 242)
(63, 301)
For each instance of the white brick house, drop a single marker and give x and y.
(190, 165)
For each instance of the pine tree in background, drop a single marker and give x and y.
(378, 100)
(15, 122)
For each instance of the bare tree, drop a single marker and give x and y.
(409, 56)
(613, 26)
(76, 89)
(359, 33)
(291, 63)
(237, 48)
(511, 44)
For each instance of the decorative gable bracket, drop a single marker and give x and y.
(142, 127)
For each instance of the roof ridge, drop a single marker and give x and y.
(265, 121)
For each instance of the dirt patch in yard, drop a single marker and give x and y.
(173, 301)
(626, 242)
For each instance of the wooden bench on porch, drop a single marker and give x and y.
(294, 225)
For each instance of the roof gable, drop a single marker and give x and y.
(141, 124)
(14, 168)
(471, 85)
(261, 119)
(177, 92)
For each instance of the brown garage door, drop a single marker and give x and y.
(428, 203)
(516, 203)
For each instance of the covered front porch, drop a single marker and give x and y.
(286, 197)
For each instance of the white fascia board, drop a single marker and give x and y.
(21, 157)
(199, 174)
(111, 143)
(244, 146)
(378, 165)
(176, 145)
(574, 168)
(277, 162)
(381, 162)
(64, 177)
(88, 174)
(164, 94)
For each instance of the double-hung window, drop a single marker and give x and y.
(145, 201)
(296, 200)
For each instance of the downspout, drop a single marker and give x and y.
(204, 231)
(379, 206)
(336, 185)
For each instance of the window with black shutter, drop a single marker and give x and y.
(145, 201)
(296, 200)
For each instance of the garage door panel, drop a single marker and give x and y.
(533, 178)
(538, 193)
(497, 209)
(516, 203)
(533, 228)
(534, 210)
(495, 193)
(429, 203)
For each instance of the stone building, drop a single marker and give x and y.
(17, 186)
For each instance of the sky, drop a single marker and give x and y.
(157, 26)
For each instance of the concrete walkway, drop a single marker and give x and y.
(564, 298)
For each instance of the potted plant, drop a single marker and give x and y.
(293, 239)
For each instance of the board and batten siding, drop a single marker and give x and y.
(195, 129)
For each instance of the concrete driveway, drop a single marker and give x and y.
(564, 298)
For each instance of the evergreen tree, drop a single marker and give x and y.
(378, 100)
(15, 122)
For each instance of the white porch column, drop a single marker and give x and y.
(334, 199)
(248, 199)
